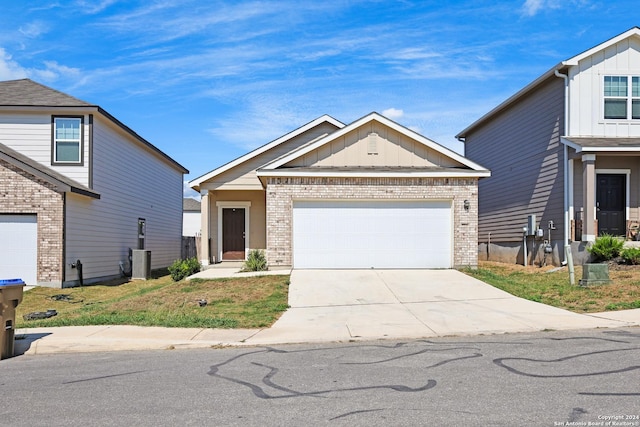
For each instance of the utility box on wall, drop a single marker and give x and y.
(140, 264)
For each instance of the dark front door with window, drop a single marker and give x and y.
(611, 203)
(233, 234)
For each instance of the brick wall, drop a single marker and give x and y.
(22, 193)
(282, 191)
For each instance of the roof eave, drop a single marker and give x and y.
(61, 186)
(385, 121)
(375, 174)
(195, 183)
(512, 99)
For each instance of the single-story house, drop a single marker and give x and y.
(78, 190)
(565, 149)
(370, 194)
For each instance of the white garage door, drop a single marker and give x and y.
(19, 250)
(372, 234)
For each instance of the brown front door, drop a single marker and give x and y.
(233, 234)
(611, 201)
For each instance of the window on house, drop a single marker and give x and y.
(67, 140)
(621, 100)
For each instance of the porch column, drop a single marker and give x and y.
(589, 197)
(205, 256)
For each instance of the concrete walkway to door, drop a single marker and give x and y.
(342, 305)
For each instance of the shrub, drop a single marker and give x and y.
(256, 261)
(182, 268)
(606, 247)
(631, 255)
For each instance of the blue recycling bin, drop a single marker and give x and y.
(11, 291)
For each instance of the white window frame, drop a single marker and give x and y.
(55, 140)
(629, 98)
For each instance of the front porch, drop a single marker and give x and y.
(604, 187)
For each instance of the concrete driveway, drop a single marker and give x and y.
(342, 305)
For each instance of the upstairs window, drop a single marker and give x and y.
(67, 141)
(621, 99)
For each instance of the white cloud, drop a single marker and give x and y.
(393, 113)
(531, 7)
(9, 69)
(54, 72)
(33, 29)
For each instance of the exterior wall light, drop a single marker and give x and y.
(467, 205)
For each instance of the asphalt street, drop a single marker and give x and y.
(543, 378)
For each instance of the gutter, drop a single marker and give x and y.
(565, 77)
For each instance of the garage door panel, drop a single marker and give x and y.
(19, 253)
(366, 234)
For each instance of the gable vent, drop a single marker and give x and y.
(372, 146)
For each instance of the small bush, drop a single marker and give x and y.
(182, 268)
(631, 255)
(256, 261)
(606, 247)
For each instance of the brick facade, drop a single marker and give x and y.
(23, 193)
(281, 192)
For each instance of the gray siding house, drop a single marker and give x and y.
(78, 187)
(565, 148)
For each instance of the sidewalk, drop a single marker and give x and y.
(484, 310)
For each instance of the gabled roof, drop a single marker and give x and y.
(325, 118)
(560, 67)
(275, 167)
(189, 204)
(60, 181)
(26, 93)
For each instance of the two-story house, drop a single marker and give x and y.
(78, 188)
(565, 148)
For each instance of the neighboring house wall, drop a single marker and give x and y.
(521, 146)
(586, 90)
(133, 183)
(23, 193)
(30, 134)
(191, 223)
(281, 192)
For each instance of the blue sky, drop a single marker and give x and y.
(207, 81)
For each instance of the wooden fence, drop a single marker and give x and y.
(191, 247)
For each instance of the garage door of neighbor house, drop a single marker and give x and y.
(372, 234)
(19, 247)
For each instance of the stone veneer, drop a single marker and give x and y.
(281, 192)
(23, 193)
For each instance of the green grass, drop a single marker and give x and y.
(553, 288)
(250, 302)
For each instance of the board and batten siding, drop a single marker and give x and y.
(374, 144)
(521, 146)
(243, 177)
(133, 183)
(586, 111)
(30, 134)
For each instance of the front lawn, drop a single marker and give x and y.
(248, 302)
(553, 287)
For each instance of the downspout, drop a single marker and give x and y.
(566, 162)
